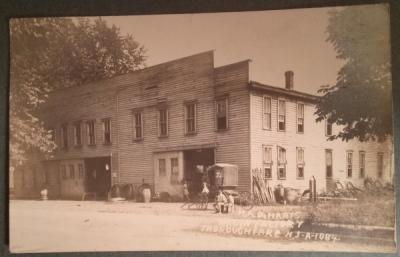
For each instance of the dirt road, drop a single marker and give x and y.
(57, 226)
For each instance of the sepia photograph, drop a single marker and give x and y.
(231, 131)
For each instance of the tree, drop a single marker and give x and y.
(361, 99)
(51, 53)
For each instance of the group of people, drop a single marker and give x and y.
(222, 199)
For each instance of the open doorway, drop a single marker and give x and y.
(196, 163)
(98, 176)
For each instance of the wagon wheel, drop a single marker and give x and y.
(245, 201)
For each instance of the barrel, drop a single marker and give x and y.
(146, 195)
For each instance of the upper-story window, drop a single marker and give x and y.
(91, 132)
(138, 125)
(281, 163)
(190, 118)
(64, 135)
(362, 163)
(163, 122)
(267, 157)
(328, 128)
(106, 124)
(349, 159)
(300, 118)
(222, 113)
(281, 115)
(266, 112)
(380, 165)
(300, 162)
(77, 134)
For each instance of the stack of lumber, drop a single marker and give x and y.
(262, 192)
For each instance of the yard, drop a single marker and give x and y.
(52, 226)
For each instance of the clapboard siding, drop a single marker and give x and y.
(314, 142)
(175, 82)
(233, 144)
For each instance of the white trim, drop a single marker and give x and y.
(263, 112)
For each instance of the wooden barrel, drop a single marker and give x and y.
(146, 195)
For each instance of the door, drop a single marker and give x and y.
(168, 172)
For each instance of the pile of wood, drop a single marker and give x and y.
(262, 192)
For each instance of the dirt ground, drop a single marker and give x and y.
(68, 226)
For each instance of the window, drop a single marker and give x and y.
(138, 126)
(52, 133)
(91, 133)
(81, 172)
(106, 123)
(328, 129)
(281, 163)
(162, 171)
(349, 159)
(190, 118)
(300, 118)
(328, 163)
(71, 171)
(77, 134)
(63, 172)
(174, 170)
(281, 115)
(380, 165)
(266, 113)
(162, 122)
(362, 163)
(267, 156)
(64, 135)
(300, 162)
(222, 113)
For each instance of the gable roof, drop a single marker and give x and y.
(279, 91)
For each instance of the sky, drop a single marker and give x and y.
(275, 41)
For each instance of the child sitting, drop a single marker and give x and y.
(220, 201)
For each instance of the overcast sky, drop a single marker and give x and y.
(275, 41)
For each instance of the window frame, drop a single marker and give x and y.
(186, 104)
(278, 115)
(103, 126)
(75, 141)
(226, 102)
(135, 126)
(81, 171)
(349, 163)
(361, 163)
(300, 117)
(164, 173)
(328, 124)
(326, 163)
(174, 176)
(281, 163)
(64, 136)
(267, 164)
(88, 138)
(71, 173)
(300, 163)
(159, 123)
(63, 172)
(264, 113)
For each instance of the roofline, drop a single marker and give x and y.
(254, 85)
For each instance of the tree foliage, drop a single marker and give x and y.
(51, 53)
(361, 100)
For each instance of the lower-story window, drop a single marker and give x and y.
(380, 165)
(281, 163)
(174, 170)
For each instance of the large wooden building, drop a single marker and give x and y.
(166, 123)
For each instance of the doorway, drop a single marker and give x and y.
(196, 163)
(98, 176)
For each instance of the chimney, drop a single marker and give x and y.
(289, 80)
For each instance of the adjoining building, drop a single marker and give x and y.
(169, 122)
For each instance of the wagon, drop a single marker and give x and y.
(224, 176)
